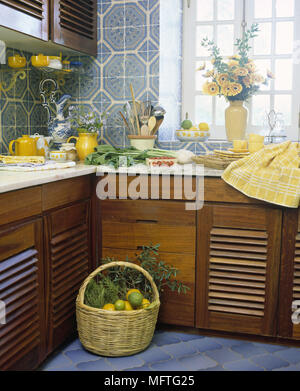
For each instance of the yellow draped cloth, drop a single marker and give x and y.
(271, 174)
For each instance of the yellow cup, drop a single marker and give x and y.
(255, 146)
(239, 144)
(256, 138)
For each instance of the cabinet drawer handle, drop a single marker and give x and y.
(147, 221)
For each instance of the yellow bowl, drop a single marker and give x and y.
(40, 60)
(17, 61)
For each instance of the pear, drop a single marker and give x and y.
(186, 124)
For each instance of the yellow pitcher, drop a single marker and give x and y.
(24, 146)
(86, 143)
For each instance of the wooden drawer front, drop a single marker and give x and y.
(20, 204)
(132, 224)
(21, 290)
(175, 308)
(65, 192)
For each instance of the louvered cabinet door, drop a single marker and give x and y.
(289, 292)
(68, 254)
(238, 268)
(26, 16)
(22, 332)
(74, 24)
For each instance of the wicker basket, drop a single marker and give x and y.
(116, 333)
(213, 161)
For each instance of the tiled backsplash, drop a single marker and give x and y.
(128, 52)
(20, 107)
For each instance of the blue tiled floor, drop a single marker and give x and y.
(173, 351)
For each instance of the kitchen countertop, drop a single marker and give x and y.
(11, 180)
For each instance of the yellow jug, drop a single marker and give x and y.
(24, 146)
(86, 143)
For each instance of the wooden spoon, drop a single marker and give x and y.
(151, 124)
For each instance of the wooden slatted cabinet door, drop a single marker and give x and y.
(289, 292)
(68, 257)
(238, 268)
(25, 16)
(22, 335)
(74, 24)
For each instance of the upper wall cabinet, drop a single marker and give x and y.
(74, 24)
(49, 26)
(26, 16)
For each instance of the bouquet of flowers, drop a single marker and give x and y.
(86, 120)
(237, 78)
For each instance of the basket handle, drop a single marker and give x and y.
(112, 264)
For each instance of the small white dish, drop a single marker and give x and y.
(58, 156)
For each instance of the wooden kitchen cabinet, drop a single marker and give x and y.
(60, 23)
(74, 24)
(289, 288)
(126, 225)
(68, 261)
(45, 254)
(23, 337)
(26, 16)
(238, 268)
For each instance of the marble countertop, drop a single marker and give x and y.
(11, 180)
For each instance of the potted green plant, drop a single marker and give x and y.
(88, 124)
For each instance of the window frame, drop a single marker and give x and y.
(243, 18)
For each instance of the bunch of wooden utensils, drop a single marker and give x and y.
(141, 118)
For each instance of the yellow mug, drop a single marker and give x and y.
(240, 144)
(256, 138)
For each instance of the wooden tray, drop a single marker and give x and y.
(213, 161)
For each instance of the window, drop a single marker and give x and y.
(274, 49)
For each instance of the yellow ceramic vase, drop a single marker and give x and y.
(85, 144)
(236, 116)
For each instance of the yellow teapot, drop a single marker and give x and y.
(24, 146)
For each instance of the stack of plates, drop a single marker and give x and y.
(230, 154)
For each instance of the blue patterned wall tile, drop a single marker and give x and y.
(134, 37)
(154, 32)
(115, 136)
(115, 16)
(139, 84)
(115, 87)
(153, 3)
(154, 85)
(134, 66)
(115, 67)
(89, 86)
(134, 14)
(8, 114)
(115, 37)
(21, 115)
(154, 66)
(155, 16)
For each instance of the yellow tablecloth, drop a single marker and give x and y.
(271, 174)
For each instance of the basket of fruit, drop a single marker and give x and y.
(113, 320)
